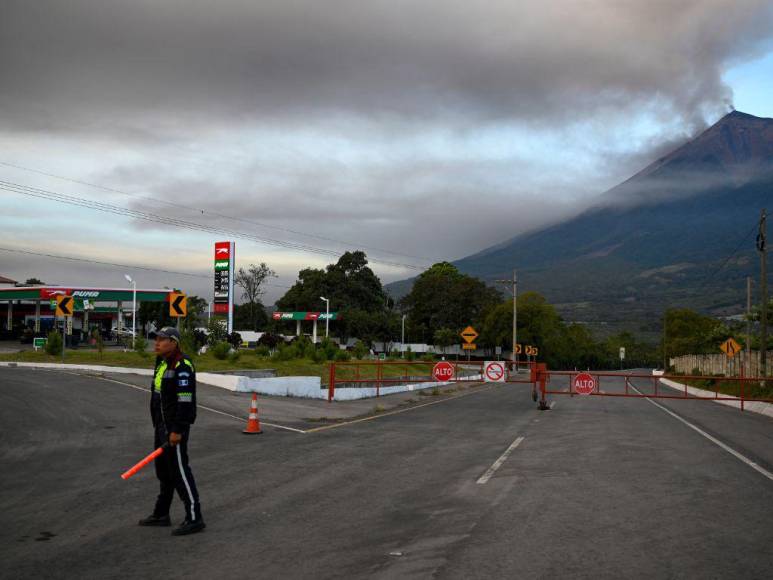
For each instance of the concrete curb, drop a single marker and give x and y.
(301, 387)
(753, 406)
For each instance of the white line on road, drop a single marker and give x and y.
(498, 463)
(713, 439)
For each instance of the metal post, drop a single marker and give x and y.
(10, 315)
(515, 318)
(331, 385)
(764, 294)
(64, 325)
(748, 326)
(514, 356)
(402, 338)
(134, 311)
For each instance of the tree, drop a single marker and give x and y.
(442, 297)
(33, 282)
(354, 291)
(444, 337)
(250, 317)
(251, 282)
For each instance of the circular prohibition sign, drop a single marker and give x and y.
(495, 371)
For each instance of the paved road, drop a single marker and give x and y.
(596, 488)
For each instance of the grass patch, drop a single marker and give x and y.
(248, 359)
(751, 389)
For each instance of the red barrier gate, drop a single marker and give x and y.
(653, 386)
(378, 374)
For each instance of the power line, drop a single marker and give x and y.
(203, 211)
(130, 266)
(185, 224)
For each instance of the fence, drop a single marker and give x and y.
(719, 364)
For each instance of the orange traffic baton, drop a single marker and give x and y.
(144, 462)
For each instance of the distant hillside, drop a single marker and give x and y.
(656, 240)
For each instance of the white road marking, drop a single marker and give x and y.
(717, 442)
(210, 409)
(498, 463)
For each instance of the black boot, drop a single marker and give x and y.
(154, 520)
(189, 527)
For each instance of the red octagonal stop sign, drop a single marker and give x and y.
(443, 371)
(584, 384)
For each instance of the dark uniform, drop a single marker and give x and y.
(173, 410)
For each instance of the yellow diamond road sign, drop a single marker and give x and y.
(730, 347)
(64, 305)
(469, 335)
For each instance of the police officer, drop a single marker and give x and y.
(173, 411)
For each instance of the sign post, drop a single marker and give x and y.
(64, 308)
(225, 259)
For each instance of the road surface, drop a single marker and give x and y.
(481, 485)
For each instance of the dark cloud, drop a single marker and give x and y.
(178, 79)
(150, 69)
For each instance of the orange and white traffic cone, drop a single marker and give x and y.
(253, 423)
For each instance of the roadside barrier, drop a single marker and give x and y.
(253, 423)
(378, 374)
(740, 390)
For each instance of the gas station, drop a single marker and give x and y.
(313, 317)
(34, 307)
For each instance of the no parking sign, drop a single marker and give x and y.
(494, 371)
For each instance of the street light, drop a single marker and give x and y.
(402, 338)
(327, 314)
(134, 306)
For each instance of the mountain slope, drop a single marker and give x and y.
(658, 239)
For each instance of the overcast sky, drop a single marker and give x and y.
(417, 130)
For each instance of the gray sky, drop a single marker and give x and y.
(421, 130)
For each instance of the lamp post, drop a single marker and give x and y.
(327, 314)
(402, 337)
(134, 306)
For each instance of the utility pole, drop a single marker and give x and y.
(749, 326)
(515, 315)
(764, 294)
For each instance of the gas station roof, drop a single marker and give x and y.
(46, 293)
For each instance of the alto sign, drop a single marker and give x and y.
(443, 371)
(583, 384)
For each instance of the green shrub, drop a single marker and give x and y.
(320, 356)
(189, 343)
(234, 356)
(342, 356)
(99, 342)
(221, 350)
(329, 347)
(141, 346)
(54, 343)
(394, 354)
(360, 350)
(285, 352)
(263, 351)
(216, 331)
(409, 354)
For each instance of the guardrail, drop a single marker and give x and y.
(385, 373)
(639, 385)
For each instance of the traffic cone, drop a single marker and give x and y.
(253, 423)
